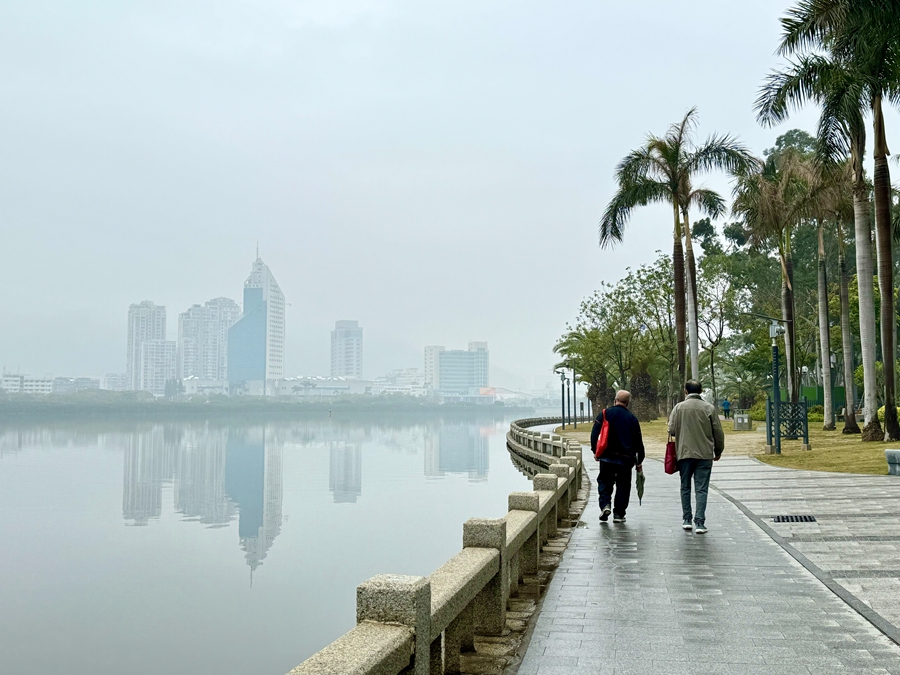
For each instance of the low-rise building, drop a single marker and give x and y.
(15, 383)
(116, 382)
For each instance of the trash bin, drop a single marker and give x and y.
(742, 422)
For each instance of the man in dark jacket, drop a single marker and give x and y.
(624, 451)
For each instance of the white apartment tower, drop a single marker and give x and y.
(157, 365)
(346, 350)
(146, 321)
(432, 370)
(203, 339)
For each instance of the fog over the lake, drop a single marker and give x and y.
(434, 170)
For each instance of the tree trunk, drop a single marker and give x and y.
(691, 276)
(787, 313)
(678, 267)
(712, 374)
(824, 336)
(883, 232)
(864, 273)
(850, 424)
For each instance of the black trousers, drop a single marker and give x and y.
(615, 476)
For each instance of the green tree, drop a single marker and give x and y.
(663, 170)
(861, 36)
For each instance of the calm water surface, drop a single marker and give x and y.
(236, 549)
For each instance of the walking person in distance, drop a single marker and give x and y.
(624, 452)
(699, 441)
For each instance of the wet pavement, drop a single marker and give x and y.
(646, 597)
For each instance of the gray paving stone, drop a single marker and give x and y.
(646, 597)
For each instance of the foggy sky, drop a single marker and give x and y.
(435, 170)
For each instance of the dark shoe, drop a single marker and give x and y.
(618, 519)
(686, 525)
(605, 515)
(700, 529)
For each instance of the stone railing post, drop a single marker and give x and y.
(570, 461)
(547, 482)
(579, 466)
(562, 471)
(394, 598)
(489, 606)
(530, 554)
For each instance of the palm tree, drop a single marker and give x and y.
(836, 86)
(582, 350)
(863, 35)
(772, 200)
(661, 171)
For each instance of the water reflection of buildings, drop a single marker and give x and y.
(200, 477)
(215, 473)
(457, 448)
(148, 464)
(253, 480)
(345, 472)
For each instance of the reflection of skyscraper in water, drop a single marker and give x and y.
(200, 477)
(457, 448)
(345, 472)
(253, 481)
(148, 463)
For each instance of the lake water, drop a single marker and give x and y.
(153, 548)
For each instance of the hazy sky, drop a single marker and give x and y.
(435, 170)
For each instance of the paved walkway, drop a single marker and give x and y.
(645, 597)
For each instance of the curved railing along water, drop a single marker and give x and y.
(421, 625)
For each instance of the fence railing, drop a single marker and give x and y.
(421, 625)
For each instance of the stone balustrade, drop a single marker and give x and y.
(421, 625)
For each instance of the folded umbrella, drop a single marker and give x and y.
(639, 483)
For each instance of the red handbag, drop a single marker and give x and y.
(603, 439)
(671, 463)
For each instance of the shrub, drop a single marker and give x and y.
(881, 413)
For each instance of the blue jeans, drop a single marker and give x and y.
(699, 470)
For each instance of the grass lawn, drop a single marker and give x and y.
(831, 450)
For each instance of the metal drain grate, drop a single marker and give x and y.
(794, 519)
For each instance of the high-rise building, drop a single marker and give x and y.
(157, 365)
(460, 372)
(256, 340)
(432, 372)
(346, 350)
(203, 339)
(146, 321)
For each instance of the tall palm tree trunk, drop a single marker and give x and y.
(882, 184)
(691, 275)
(824, 337)
(850, 424)
(678, 268)
(864, 273)
(787, 313)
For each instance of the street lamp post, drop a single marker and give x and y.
(562, 396)
(574, 400)
(774, 331)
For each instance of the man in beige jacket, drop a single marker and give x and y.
(699, 441)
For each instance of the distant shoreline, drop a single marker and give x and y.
(132, 405)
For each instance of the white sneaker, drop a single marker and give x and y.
(700, 529)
